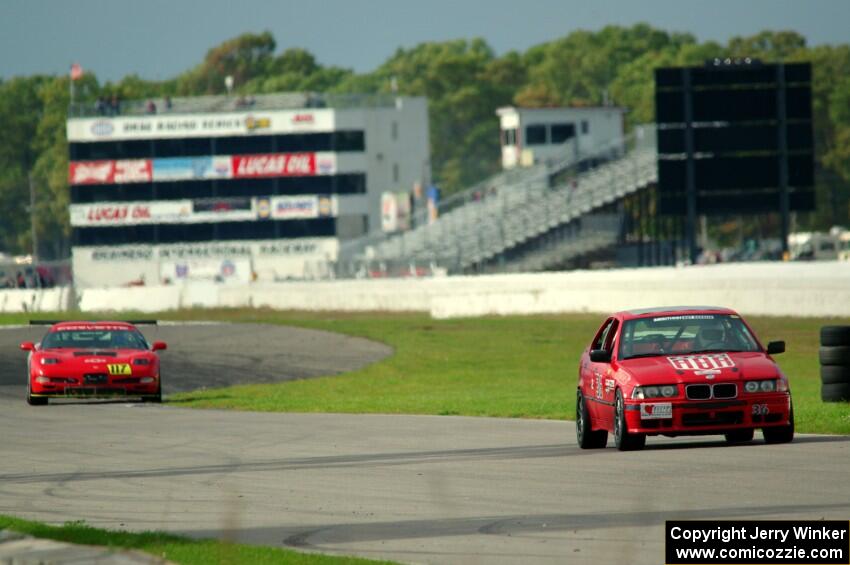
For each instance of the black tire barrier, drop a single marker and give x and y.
(835, 335)
(834, 374)
(835, 355)
(839, 392)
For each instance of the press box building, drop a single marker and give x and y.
(533, 135)
(235, 189)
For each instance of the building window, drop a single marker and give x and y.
(178, 233)
(585, 127)
(344, 140)
(509, 137)
(535, 135)
(562, 132)
(395, 172)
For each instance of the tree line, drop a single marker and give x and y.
(464, 81)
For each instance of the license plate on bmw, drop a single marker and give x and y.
(656, 410)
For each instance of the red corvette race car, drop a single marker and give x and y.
(680, 371)
(93, 360)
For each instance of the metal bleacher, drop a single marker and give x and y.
(526, 219)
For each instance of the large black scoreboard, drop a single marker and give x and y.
(734, 137)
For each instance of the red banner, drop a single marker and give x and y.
(243, 166)
(109, 172)
(274, 165)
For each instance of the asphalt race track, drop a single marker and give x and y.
(204, 355)
(432, 489)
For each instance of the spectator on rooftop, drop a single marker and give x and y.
(115, 105)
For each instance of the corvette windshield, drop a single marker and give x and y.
(94, 339)
(693, 333)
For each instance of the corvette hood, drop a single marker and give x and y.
(697, 368)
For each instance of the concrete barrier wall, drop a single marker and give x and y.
(780, 289)
(31, 300)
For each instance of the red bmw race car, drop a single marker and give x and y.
(93, 360)
(692, 370)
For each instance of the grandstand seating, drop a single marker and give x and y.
(523, 209)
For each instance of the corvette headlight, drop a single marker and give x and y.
(49, 361)
(141, 361)
(769, 385)
(663, 391)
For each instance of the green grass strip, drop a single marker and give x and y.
(173, 548)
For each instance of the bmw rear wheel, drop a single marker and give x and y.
(622, 438)
(586, 437)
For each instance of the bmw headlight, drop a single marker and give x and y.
(769, 385)
(49, 361)
(663, 391)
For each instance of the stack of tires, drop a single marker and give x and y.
(835, 363)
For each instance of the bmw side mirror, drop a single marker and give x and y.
(600, 356)
(775, 347)
(28, 346)
(159, 346)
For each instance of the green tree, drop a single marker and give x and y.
(244, 58)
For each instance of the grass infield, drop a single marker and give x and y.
(520, 367)
(174, 548)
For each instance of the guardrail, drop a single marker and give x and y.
(776, 289)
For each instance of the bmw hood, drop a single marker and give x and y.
(697, 367)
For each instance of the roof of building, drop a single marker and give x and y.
(236, 103)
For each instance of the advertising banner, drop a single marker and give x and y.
(192, 168)
(295, 207)
(303, 207)
(395, 211)
(220, 270)
(220, 261)
(389, 212)
(223, 210)
(261, 165)
(199, 125)
(274, 165)
(130, 213)
(109, 172)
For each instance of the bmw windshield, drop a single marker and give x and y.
(692, 333)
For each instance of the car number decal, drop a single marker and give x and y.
(656, 410)
(701, 362)
(119, 369)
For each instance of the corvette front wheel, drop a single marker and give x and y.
(35, 400)
(157, 398)
(622, 438)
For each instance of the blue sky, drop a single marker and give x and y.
(158, 39)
